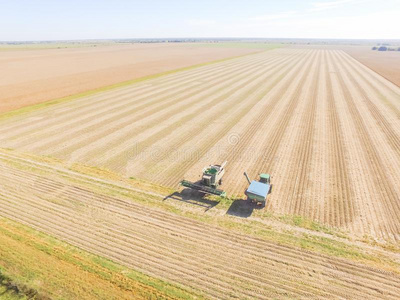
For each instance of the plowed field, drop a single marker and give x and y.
(219, 263)
(326, 127)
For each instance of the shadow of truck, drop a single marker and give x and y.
(241, 208)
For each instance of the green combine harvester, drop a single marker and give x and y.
(210, 181)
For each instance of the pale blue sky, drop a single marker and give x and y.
(101, 19)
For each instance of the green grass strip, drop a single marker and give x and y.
(18, 284)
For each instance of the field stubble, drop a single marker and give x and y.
(176, 248)
(326, 127)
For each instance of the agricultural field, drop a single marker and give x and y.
(113, 220)
(385, 63)
(35, 265)
(325, 127)
(36, 73)
(89, 183)
(189, 151)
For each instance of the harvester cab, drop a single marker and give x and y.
(258, 190)
(210, 180)
(212, 175)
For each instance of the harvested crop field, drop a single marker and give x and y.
(38, 75)
(385, 63)
(324, 126)
(218, 262)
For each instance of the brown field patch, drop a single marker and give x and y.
(35, 76)
(385, 63)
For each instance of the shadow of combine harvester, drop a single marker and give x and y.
(193, 197)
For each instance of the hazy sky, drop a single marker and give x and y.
(96, 19)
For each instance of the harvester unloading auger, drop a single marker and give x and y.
(210, 181)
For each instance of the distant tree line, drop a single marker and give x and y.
(384, 48)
